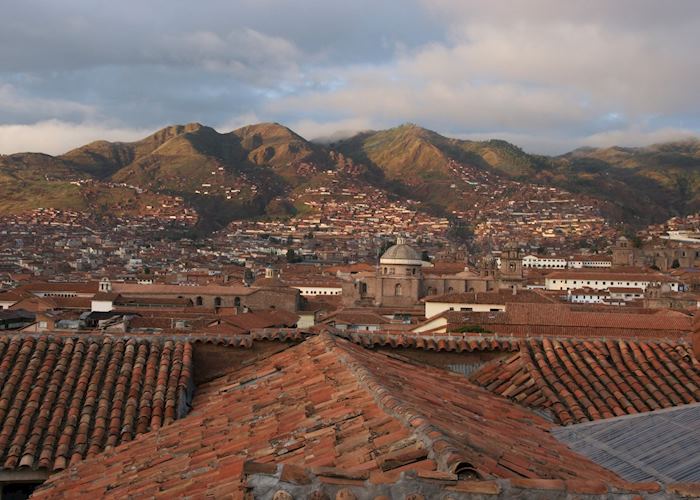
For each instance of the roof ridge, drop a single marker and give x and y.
(443, 448)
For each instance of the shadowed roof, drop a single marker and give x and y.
(659, 446)
(582, 380)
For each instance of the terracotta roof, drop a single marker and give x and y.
(71, 302)
(329, 403)
(64, 399)
(453, 342)
(77, 287)
(133, 288)
(607, 275)
(579, 380)
(124, 302)
(623, 289)
(562, 320)
(495, 297)
(13, 295)
(356, 317)
(263, 319)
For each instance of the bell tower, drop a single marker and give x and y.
(511, 272)
(105, 285)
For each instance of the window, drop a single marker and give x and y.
(217, 302)
(198, 301)
(397, 290)
(237, 302)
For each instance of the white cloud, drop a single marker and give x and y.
(329, 131)
(57, 137)
(237, 121)
(533, 70)
(20, 106)
(245, 53)
(637, 136)
(553, 74)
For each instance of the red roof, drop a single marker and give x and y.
(329, 403)
(493, 297)
(64, 399)
(579, 380)
(606, 275)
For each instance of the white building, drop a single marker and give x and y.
(601, 280)
(587, 296)
(548, 262)
(316, 290)
(492, 301)
(590, 262)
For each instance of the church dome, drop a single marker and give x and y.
(401, 253)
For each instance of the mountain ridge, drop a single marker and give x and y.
(237, 174)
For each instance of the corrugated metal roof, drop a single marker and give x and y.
(662, 445)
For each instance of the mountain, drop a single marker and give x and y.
(636, 185)
(647, 184)
(267, 169)
(423, 153)
(433, 168)
(238, 174)
(29, 181)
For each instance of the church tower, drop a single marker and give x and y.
(511, 272)
(623, 252)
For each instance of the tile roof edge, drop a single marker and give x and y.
(443, 449)
(632, 416)
(308, 482)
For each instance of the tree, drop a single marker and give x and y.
(460, 231)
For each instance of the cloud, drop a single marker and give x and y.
(245, 54)
(329, 131)
(526, 72)
(57, 137)
(637, 136)
(19, 107)
(554, 74)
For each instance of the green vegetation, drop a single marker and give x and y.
(472, 329)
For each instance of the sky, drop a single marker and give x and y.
(546, 75)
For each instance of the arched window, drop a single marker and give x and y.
(198, 301)
(217, 302)
(237, 302)
(397, 290)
